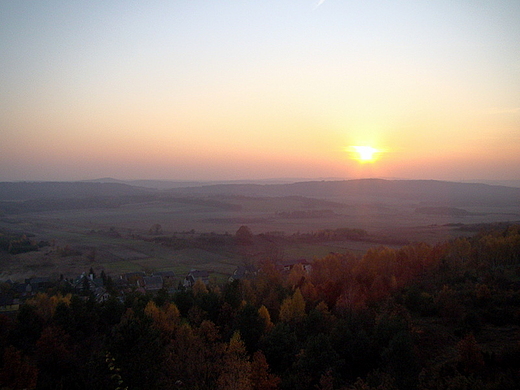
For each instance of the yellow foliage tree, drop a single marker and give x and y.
(261, 378)
(266, 317)
(199, 288)
(236, 374)
(297, 276)
(309, 291)
(166, 319)
(46, 306)
(293, 308)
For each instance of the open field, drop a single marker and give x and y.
(116, 236)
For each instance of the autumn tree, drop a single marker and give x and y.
(45, 305)
(293, 308)
(199, 288)
(261, 378)
(266, 318)
(212, 352)
(375, 269)
(269, 290)
(332, 275)
(195, 356)
(165, 319)
(184, 357)
(236, 373)
(296, 277)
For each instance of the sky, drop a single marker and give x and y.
(257, 89)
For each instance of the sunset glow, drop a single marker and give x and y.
(228, 90)
(365, 154)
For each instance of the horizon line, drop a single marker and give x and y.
(280, 180)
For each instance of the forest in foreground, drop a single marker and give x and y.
(444, 316)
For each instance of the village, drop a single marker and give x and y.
(101, 286)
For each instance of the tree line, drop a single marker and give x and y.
(418, 317)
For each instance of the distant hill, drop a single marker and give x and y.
(506, 183)
(374, 190)
(421, 192)
(153, 184)
(18, 191)
(169, 184)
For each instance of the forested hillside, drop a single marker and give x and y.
(443, 316)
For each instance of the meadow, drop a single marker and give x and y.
(118, 238)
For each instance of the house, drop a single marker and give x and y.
(152, 283)
(96, 286)
(8, 303)
(133, 277)
(21, 289)
(167, 276)
(288, 265)
(242, 272)
(130, 280)
(32, 286)
(194, 275)
(37, 284)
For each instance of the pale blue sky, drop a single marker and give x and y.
(258, 89)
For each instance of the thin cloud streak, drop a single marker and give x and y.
(320, 2)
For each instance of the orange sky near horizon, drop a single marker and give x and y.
(274, 89)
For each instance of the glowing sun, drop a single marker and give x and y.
(364, 154)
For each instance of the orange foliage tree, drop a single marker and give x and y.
(261, 378)
(236, 372)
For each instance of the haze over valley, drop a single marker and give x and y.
(116, 218)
